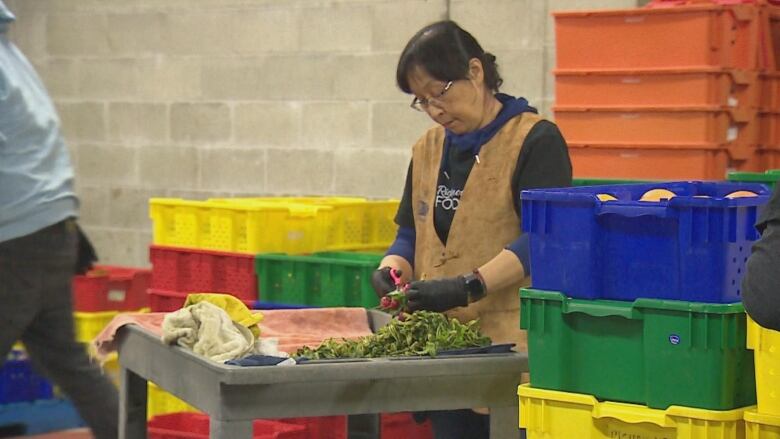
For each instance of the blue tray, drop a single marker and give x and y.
(692, 247)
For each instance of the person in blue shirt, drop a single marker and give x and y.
(40, 241)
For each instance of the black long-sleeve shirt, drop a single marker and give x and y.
(761, 284)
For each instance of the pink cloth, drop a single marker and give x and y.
(293, 328)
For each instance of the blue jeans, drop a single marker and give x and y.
(36, 307)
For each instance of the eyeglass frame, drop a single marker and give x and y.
(423, 104)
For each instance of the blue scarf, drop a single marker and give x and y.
(472, 142)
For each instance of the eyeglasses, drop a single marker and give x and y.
(422, 104)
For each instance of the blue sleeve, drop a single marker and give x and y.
(403, 245)
(520, 248)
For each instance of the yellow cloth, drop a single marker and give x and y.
(234, 307)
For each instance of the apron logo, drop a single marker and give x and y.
(448, 199)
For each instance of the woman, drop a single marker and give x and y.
(459, 241)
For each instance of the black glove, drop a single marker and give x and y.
(437, 295)
(383, 282)
(86, 253)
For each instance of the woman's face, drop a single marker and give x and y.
(461, 108)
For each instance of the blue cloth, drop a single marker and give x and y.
(520, 247)
(256, 360)
(36, 176)
(473, 141)
(403, 245)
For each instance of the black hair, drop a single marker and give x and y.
(444, 49)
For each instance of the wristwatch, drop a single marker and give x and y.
(475, 285)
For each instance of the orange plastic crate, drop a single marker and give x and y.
(695, 126)
(770, 91)
(658, 88)
(770, 130)
(686, 36)
(651, 162)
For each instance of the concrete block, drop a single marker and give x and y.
(94, 208)
(300, 172)
(116, 246)
(137, 32)
(371, 173)
(502, 24)
(369, 76)
(265, 29)
(164, 168)
(274, 77)
(137, 122)
(108, 79)
(200, 123)
(169, 78)
(395, 22)
(396, 125)
(335, 124)
(268, 123)
(523, 72)
(59, 75)
(28, 32)
(338, 27)
(73, 34)
(83, 121)
(130, 207)
(233, 170)
(104, 165)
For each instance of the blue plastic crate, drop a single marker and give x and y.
(20, 383)
(692, 247)
(39, 417)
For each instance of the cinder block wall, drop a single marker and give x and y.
(201, 98)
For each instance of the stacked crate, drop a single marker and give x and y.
(679, 92)
(635, 325)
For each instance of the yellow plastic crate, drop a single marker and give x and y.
(89, 324)
(354, 223)
(242, 226)
(160, 402)
(549, 414)
(761, 426)
(765, 344)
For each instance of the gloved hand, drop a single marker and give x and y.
(437, 295)
(383, 282)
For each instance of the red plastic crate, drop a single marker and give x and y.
(196, 426)
(402, 425)
(169, 301)
(111, 288)
(191, 270)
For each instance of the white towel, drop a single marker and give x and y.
(207, 330)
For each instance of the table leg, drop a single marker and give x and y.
(363, 426)
(221, 429)
(504, 423)
(132, 405)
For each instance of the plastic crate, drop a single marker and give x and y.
(89, 324)
(322, 279)
(686, 248)
(654, 162)
(770, 130)
(180, 269)
(709, 87)
(761, 426)
(402, 425)
(550, 414)
(354, 223)
(196, 426)
(159, 402)
(769, 178)
(689, 36)
(656, 126)
(111, 288)
(19, 382)
(651, 352)
(770, 91)
(241, 227)
(765, 344)
(169, 301)
(39, 417)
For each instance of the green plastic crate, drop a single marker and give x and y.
(769, 178)
(603, 181)
(653, 352)
(326, 279)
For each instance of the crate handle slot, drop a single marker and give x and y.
(613, 208)
(599, 309)
(628, 414)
